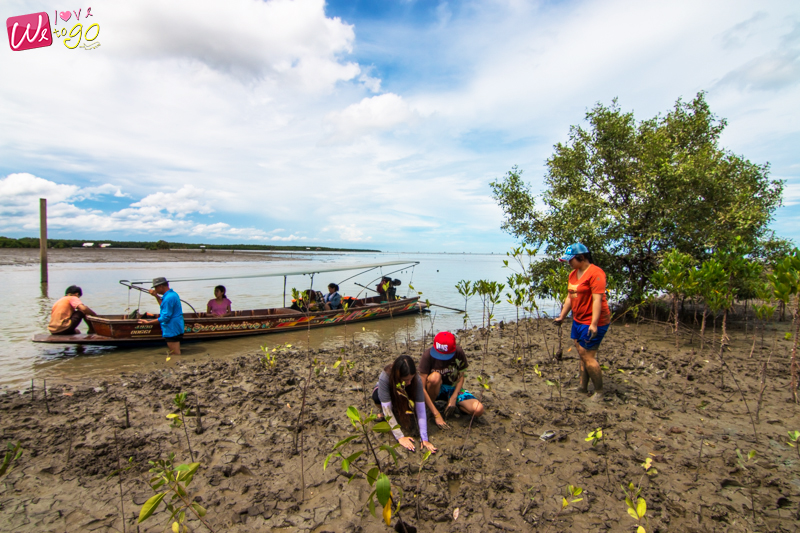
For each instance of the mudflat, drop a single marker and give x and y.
(678, 407)
(28, 256)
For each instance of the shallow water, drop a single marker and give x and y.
(28, 309)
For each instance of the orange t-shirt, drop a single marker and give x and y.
(62, 312)
(593, 281)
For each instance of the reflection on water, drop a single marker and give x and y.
(21, 359)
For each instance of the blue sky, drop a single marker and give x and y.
(375, 124)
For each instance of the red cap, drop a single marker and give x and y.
(444, 346)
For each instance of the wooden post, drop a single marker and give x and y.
(43, 237)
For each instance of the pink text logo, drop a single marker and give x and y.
(29, 31)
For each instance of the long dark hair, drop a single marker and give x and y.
(403, 366)
(220, 288)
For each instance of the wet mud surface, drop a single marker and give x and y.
(661, 403)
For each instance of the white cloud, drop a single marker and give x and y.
(370, 115)
(188, 199)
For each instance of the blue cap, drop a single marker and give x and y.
(573, 250)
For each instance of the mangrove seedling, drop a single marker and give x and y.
(13, 453)
(746, 463)
(178, 419)
(118, 472)
(572, 492)
(637, 507)
(373, 471)
(598, 436)
(467, 291)
(270, 356)
(175, 479)
(425, 457)
(794, 437)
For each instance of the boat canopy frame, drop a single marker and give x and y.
(305, 272)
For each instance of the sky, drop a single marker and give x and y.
(362, 124)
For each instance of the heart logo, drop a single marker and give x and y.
(65, 15)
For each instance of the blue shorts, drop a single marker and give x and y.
(580, 332)
(447, 391)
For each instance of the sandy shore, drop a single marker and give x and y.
(662, 402)
(28, 256)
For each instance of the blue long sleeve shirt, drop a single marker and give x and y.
(171, 317)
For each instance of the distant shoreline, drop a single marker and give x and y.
(30, 256)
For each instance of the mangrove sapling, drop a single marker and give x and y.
(572, 492)
(673, 277)
(118, 472)
(13, 453)
(425, 456)
(556, 283)
(175, 479)
(785, 280)
(746, 465)
(637, 507)
(375, 475)
(179, 419)
(270, 356)
(315, 367)
(595, 437)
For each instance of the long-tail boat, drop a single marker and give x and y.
(124, 330)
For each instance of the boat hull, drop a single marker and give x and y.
(119, 331)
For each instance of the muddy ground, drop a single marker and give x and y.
(662, 402)
(30, 256)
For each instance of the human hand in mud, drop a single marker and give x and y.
(440, 421)
(592, 331)
(407, 443)
(428, 446)
(451, 406)
(558, 321)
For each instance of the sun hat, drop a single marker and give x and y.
(444, 346)
(159, 281)
(573, 250)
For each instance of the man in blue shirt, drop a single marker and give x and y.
(171, 315)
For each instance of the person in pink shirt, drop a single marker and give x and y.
(68, 312)
(220, 305)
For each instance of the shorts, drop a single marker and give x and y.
(447, 391)
(176, 338)
(580, 332)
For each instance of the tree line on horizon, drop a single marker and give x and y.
(33, 242)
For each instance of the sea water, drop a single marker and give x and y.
(27, 308)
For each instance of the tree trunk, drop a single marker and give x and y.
(703, 327)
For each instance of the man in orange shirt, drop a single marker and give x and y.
(68, 312)
(590, 313)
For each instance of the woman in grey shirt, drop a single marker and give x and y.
(399, 390)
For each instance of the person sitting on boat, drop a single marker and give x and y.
(219, 305)
(391, 292)
(397, 384)
(307, 303)
(171, 315)
(333, 300)
(68, 312)
(383, 288)
(441, 369)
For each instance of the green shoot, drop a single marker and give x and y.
(179, 419)
(13, 453)
(175, 479)
(638, 509)
(372, 471)
(271, 355)
(572, 492)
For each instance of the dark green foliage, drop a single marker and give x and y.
(631, 191)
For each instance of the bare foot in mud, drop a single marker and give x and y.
(580, 390)
(597, 396)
